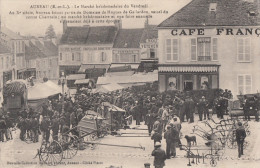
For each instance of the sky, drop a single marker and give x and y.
(37, 27)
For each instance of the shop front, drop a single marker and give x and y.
(26, 73)
(188, 77)
(68, 69)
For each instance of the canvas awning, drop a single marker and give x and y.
(84, 67)
(75, 76)
(43, 90)
(132, 65)
(188, 68)
(81, 81)
(133, 79)
(121, 68)
(108, 88)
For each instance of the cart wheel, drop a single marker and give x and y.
(93, 137)
(51, 153)
(70, 145)
(213, 162)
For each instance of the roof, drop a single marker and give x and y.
(32, 52)
(150, 32)
(128, 38)
(101, 35)
(89, 35)
(75, 35)
(11, 34)
(228, 13)
(4, 49)
(51, 48)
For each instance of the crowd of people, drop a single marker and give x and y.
(143, 103)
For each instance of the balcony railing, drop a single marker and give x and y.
(204, 58)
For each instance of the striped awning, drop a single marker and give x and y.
(188, 68)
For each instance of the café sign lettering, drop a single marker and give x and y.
(219, 31)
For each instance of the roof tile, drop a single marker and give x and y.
(128, 38)
(228, 13)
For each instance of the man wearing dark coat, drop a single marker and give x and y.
(55, 127)
(3, 128)
(159, 156)
(250, 106)
(203, 108)
(168, 138)
(191, 109)
(150, 119)
(35, 129)
(240, 138)
(45, 128)
(175, 136)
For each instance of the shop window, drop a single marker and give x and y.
(204, 82)
(244, 84)
(172, 50)
(172, 83)
(243, 50)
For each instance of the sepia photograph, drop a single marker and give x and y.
(129, 83)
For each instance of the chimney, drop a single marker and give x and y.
(118, 24)
(65, 26)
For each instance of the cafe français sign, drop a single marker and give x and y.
(219, 31)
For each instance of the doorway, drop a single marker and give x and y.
(188, 85)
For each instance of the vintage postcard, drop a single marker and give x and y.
(129, 84)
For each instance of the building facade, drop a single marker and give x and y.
(6, 67)
(41, 60)
(126, 48)
(15, 43)
(203, 45)
(85, 45)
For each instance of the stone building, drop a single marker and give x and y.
(211, 44)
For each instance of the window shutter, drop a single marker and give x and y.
(175, 49)
(248, 83)
(247, 49)
(240, 49)
(168, 49)
(215, 49)
(240, 84)
(193, 49)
